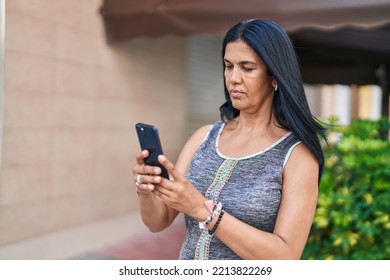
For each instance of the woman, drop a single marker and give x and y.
(247, 185)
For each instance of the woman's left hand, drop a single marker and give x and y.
(179, 193)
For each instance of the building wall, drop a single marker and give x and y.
(205, 81)
(70, 105)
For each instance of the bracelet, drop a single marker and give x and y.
(217, 208)
(211, 232)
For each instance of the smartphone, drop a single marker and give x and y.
(149, 140)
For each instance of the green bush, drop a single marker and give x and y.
(352, 220)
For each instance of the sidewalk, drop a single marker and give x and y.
(123, 238)
(149, 246)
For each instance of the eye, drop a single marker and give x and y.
(247, 69)
(228, 66)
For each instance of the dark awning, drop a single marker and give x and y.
(125, 19)
(343, 55)
(346, 42)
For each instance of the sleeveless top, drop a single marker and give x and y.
(249, 189)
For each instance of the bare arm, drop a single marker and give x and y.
(156, 214)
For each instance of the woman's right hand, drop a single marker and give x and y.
(145, 175)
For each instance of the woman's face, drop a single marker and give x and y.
(249, 85)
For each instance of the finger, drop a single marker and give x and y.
(162, 193)
(146, 170)
(148, 179)
(140, 157)
(170, 168)
(145, 188)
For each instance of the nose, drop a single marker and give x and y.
(235, 77)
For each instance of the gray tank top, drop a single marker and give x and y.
(249, 189)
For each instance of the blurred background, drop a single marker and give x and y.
(76, 76)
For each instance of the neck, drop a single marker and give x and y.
(256, 122)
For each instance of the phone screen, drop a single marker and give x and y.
(149, 140)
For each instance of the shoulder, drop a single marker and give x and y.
(192, 145)
(301, 167)
(199, 135)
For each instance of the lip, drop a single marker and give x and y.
(236, 93)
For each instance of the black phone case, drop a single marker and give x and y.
(149, 140)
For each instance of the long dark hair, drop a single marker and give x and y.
(274, 47)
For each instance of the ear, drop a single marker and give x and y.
(274, 83)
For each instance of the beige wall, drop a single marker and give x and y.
(70, 105)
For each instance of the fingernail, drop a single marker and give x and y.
(157, 170)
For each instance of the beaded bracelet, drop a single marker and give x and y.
(217, 208)
(211, 232)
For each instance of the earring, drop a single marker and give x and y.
(276, 87)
